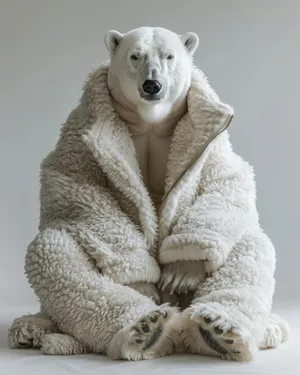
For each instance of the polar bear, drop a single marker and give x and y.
(146, 84)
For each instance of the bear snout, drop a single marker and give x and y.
(151, 87)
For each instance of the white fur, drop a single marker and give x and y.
(151, 47)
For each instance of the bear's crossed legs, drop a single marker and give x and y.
(153, 335)
(206, 334)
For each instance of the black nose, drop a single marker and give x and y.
(151, 87)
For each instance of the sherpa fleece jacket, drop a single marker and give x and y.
(99, 230)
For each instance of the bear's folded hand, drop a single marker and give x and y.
(182, 276)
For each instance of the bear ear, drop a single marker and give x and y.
(190, 41)
(112, 39)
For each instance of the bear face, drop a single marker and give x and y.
(150, 68)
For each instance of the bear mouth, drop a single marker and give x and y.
(150, 98)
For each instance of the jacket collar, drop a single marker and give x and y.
(206, 117)
(110, 141)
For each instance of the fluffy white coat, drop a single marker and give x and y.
(99, 231)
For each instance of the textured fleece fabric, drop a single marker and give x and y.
(99, 230)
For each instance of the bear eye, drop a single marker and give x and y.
(170, 57)
(134, 57)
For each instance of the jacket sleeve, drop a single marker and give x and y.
(224, 208)
(90, 214)
(75, 196)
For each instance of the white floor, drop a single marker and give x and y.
(284, 360)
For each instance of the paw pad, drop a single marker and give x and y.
(148, 330)
(218, 331)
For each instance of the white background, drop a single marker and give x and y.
(250, 51)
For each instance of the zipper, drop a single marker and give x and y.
(214, 136)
